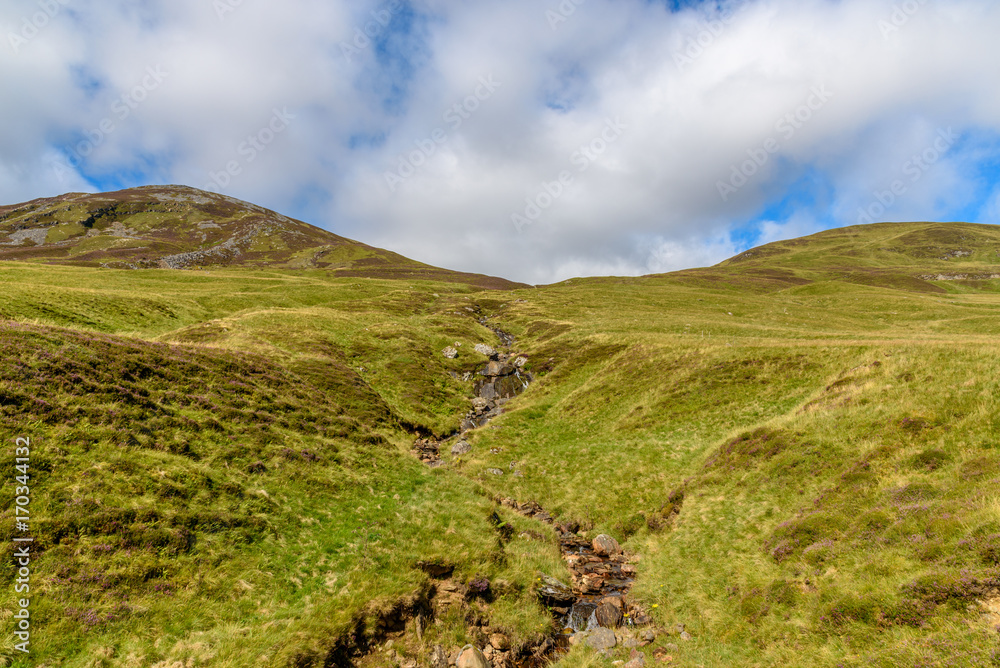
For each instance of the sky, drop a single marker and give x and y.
(532, 139)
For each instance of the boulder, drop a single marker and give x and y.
(609, 616)
(461, 448)
(553, 592)
(605, 546)
(484, 349)
(499, 642)
(601, 639)
(450, 353)
(471, 657)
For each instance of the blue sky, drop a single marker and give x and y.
(534, 140)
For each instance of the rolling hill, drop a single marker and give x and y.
(176, 227)
(797, 450)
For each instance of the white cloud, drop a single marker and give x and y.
(697, 96)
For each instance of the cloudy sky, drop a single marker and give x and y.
(533, 139)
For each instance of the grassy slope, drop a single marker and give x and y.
(210, 462)
(801, 444)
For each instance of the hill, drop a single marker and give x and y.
(800, 464)
(176, 227)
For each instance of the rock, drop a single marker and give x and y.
(686, 636)
(471, 657)
(609, 616)
(495, 471)
(553, 592)
(461, 448)
(492, 369)
(600, 639)
(450, 353)
(613, 600)
(578, 638)
(439, 659)
(605, 546)
(648, 636)
(520, 362)
(632, 643)
(484, 349)
(638, 662)
(499, 642)
(671, 647)
(680, 628)
(408, 663)
(480, 404)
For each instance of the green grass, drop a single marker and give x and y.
(802, 446)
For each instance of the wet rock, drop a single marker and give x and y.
(600, 639)
(450, 353)
(609, 616)
(604, 545)
(471, 657)
(484, 349)
(461, 448)
(553, 592)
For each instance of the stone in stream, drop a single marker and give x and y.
(471, 657)
(609, 616)
(601, 638)
(605, 546)
(553, 592)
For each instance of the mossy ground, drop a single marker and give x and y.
(806, 463)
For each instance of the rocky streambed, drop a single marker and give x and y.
(594, 608)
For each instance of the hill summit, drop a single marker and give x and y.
(177, 227)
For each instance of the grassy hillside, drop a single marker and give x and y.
(799, 445)
(177, 227)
